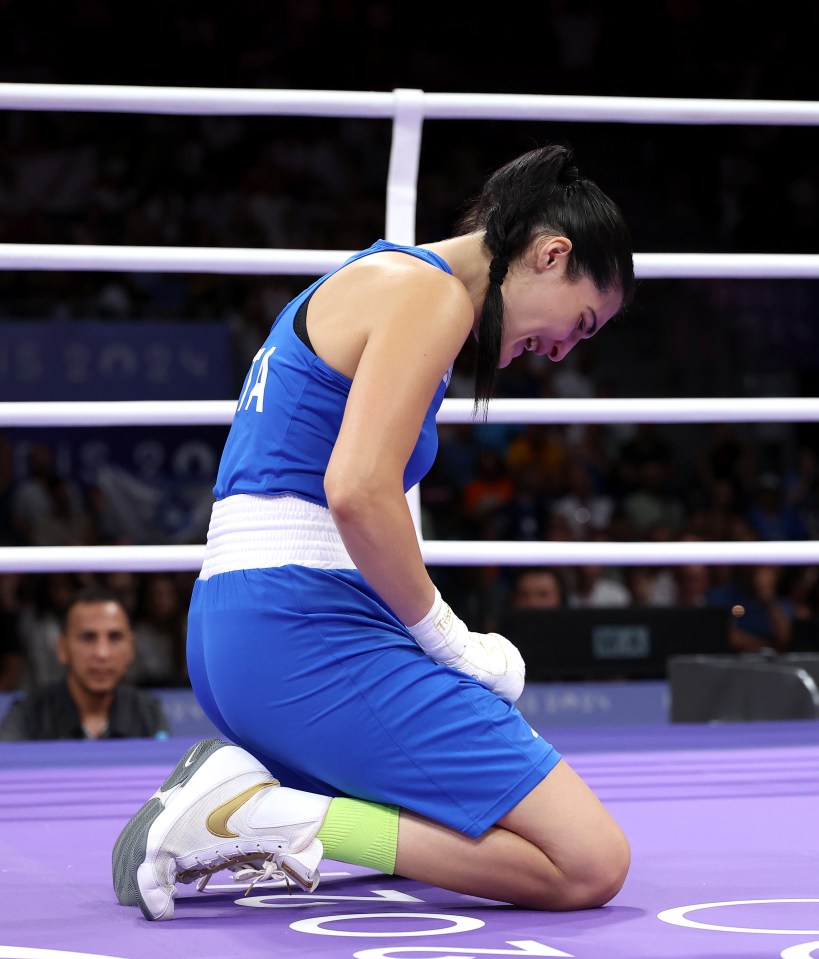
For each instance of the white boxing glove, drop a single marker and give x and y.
(487, 657)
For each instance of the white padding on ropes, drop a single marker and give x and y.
(405, 156)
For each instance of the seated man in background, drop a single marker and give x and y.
(96, 646)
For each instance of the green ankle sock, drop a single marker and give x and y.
(361, 833)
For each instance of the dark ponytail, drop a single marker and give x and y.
(543, 193)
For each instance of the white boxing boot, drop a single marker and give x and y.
(219, 809)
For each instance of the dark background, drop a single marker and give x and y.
(320, 184)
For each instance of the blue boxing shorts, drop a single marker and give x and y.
(310, 672)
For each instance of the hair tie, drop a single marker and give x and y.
(569, 174)
(498, 269)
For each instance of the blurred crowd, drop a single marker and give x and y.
(275, 182)
(592, 483)
(524, 483)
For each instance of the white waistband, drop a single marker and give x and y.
(255, 532)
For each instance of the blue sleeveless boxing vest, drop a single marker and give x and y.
(291, 406)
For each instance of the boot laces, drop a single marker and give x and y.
(245, 869)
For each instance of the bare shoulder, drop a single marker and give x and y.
(387, 293)
(384, 278)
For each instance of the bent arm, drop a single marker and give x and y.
(411, 342)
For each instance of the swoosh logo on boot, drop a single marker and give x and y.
(217, 821)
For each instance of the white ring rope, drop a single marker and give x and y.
(436, 106)
(220, 412)
(47, 559)
(162, 259)
(230, 260)
(407, 109)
